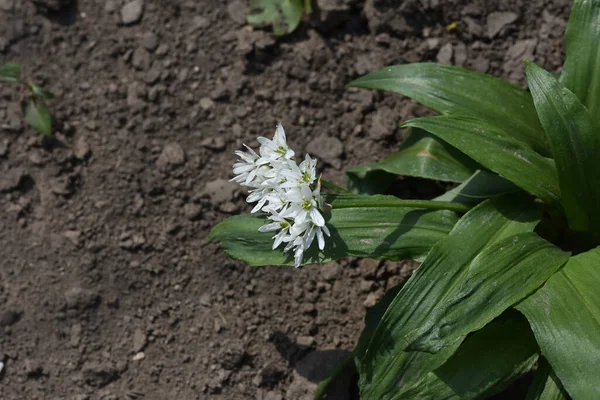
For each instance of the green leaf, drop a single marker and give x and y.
(283, 15)
(389, 369)
(451, 90)
(41, 92)
(482, 185)
(421, 155)
(381, 227)
(575, 144)
(10, 73)
(565, 318)
(581, 70)
(37, 116)
(485, 363)
(495, 150)
(500, 276)
(546, 385)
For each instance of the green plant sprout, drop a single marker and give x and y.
(510, 274)
(34, 109)
(283, 16)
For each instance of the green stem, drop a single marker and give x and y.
(334, 187)
(389, 201)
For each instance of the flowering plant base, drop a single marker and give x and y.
(510, 258)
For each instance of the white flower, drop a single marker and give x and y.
(276, 148)
(286, 191)
(247, 168)
(305, 205)
(305, 173)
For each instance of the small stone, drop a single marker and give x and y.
(200, 22)
(220, 190)
(192, 212)
(460, 54)
(35, 157)
(9, 317)
(132, 12)
(141, 59)
(149, 41)
(384, 124)
(74, 237)
(366, 286)
(473, 27)
(306, 341)
(205, 300)
(498, 20)
(326, 148)
(368, 267)
(138, 356)
(99, 374)
(237, 11)
(371, 300)
(79, 298)
(444, 56)
(216, 143)
(139, 340)
(206, 103)
(81, 150)
(172, 154)
(75, 335)
(331, 271)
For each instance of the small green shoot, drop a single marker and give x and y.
(35, 111)
(283, 16)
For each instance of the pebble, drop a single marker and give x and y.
(326, 148)
(139, 340)
(444, 56)
(141, 59)
(331, 271)
(371, 300)
(206, 103)
(220, 190)
(237, 11)
(498, 20)
(149, 41)
(132, 12)
(172, 154)
(80, 298)
(216, 143)
(138, 356)
(81, 149)
(192, 212)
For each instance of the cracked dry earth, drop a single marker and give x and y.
(109, 286)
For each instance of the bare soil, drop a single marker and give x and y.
(109, 286)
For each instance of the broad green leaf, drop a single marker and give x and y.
(486, 362)
(495, 150)
(482, 185)
(565, 318)
(546, 385)
(575, 144)
(10, 73)
(381, 227)
(37, 116)
(41, 92)
(500, 276)
(283, 15)
(581, 70)
(387, 368)
(421, 155)
(452, 90)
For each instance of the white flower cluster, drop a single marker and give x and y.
(286, 191)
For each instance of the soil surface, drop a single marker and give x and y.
(109, 286)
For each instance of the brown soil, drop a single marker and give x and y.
(109, 286)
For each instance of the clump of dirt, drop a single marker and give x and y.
(109, 286)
